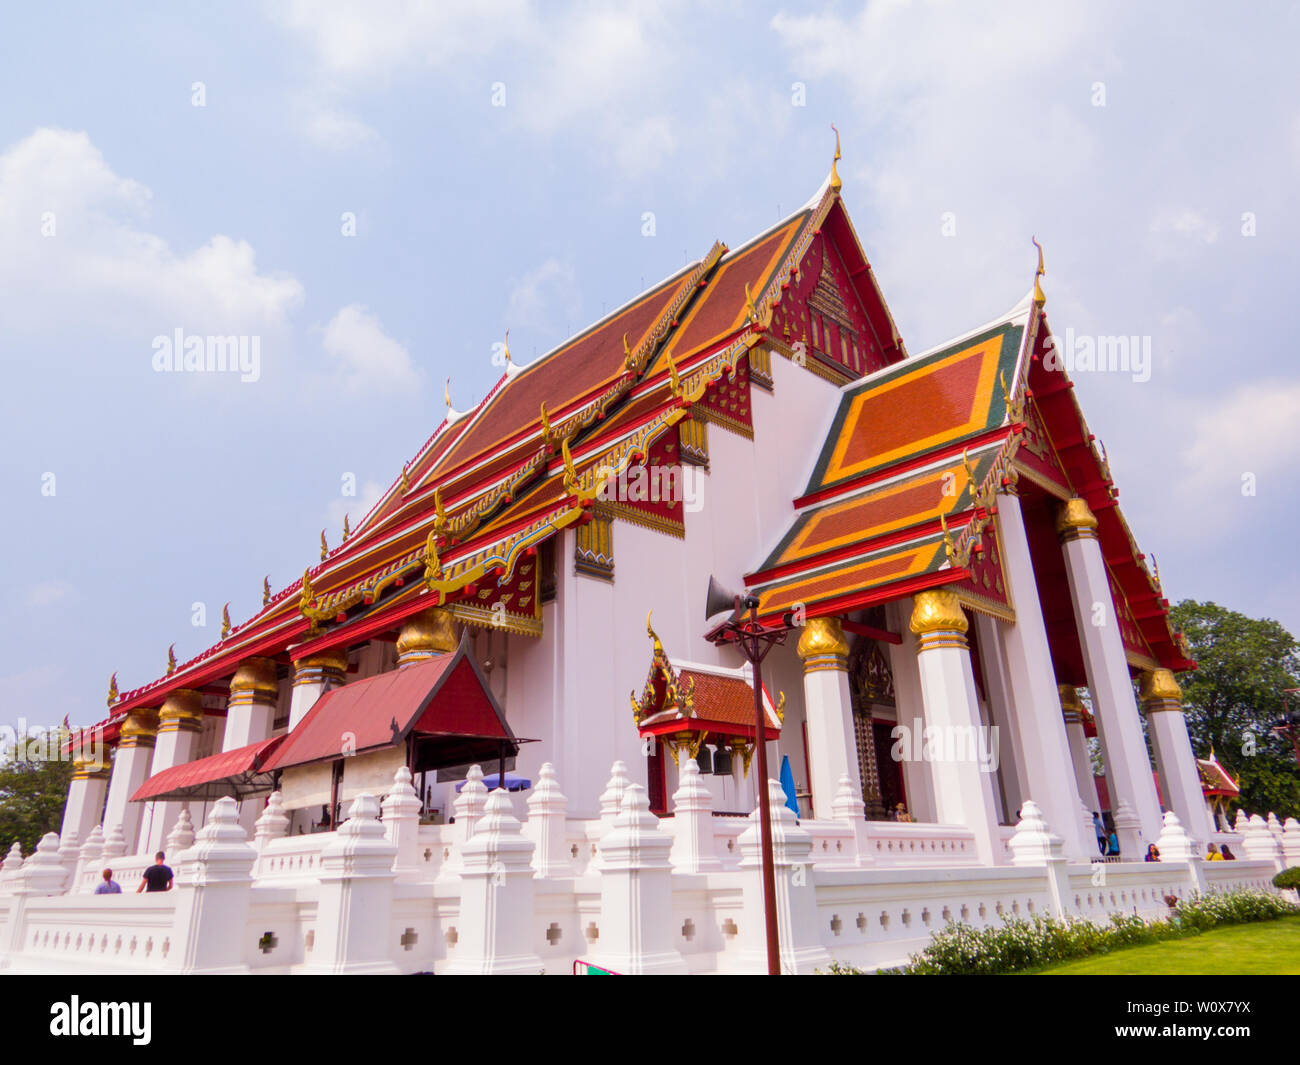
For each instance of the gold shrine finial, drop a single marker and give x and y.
(836, 183)
(570, 471)
(432, 563)
(1039, 298)
(171, 660)
(406, 478)
(324, 547)
(112, 689)
(225, 621)
(347, 531)
(654, 636)
(308, 592)
(266, 590)
(674, 378)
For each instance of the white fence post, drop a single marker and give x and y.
(356, 896)
(214, 884)
(547, 806)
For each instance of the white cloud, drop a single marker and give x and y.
(47, 594)
(1186, 222)
(368, 357)
(333, 129)
(353, 39)
(76, 251)
(1252, 430)
(545, 298)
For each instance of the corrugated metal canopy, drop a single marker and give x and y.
(235, 773)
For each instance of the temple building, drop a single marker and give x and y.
(939, 534)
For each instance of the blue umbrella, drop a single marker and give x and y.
(787, 784)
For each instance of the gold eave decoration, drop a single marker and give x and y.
(1039, 297)
(171, 660)
(112, 689)
(678, 695)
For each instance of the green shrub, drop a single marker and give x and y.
(1288, 878)
(1019, 944)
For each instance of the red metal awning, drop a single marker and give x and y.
(444, 703)
(235, 773)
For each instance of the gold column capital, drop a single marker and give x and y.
(1158, 690)
(938, 619)
(89, 769)
(182, 711)
(822, 645)
(140, 727)
(1075, 520)
(430, 632)
(330, 664)
(255, 681)
(1071, 705)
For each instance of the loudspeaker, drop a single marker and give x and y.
(720, 600)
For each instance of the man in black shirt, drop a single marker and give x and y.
(157, 877)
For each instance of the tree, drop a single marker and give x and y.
(1234, 697)
(33, 790)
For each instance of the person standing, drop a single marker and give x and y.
(108, 886)
(158, 877)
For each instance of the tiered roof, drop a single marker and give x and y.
(462, 524)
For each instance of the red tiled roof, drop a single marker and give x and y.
(445, 696)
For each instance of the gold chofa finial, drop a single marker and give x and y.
(347, 531)
(324, 546)
(446, 393)
(225, 621)
(1039, 298)
(835, 174)
(171, 660)
(112, 689)
(506, 345)
(308, 592)
(266, 589)
(406, 478)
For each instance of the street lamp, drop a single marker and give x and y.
(755, 641)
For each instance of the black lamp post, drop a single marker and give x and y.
(755, 641)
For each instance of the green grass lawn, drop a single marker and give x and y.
(1265, 948)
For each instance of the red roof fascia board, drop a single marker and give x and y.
(956, 525)
(946, 451)
(883, 593)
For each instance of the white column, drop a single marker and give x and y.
(1180, 780)
(180, 722)
(828, 711)
(1085, 780)
(918, 782)
(1049, 777)
(1124, 750)
(963, 791)
(313, 676)
(1002, 707)
(130, 770)
(250, 718)
(86, 796)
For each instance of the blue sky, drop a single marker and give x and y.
(1153, 150)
